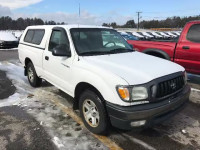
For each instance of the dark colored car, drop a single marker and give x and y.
(8, 40)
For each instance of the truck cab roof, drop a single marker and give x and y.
(65, 26)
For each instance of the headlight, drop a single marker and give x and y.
(131, 94)
(139, 93)
(1, 41)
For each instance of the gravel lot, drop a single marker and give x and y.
(8, 55)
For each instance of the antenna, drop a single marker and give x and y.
(79, 10)
(79, 14)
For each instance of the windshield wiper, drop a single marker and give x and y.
(121, 50)
(118, 50)
(93, 53)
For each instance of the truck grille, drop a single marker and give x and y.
(170, 86)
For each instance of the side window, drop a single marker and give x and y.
(34, 36)
(29, 36)
(193, 34)
(38, 36)
(59, 40)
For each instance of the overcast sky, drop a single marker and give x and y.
(98, 11)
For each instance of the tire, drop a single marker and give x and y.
(33, 79)
(96, 109)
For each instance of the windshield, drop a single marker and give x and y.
(158, 33)
(98, 41)
(150, 33)
(140, 33)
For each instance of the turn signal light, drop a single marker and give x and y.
(124, 93)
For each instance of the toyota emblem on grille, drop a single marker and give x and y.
(173, 85)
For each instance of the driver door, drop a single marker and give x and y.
(58, 68)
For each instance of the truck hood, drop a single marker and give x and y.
(135, 67)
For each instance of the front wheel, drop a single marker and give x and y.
(33, 79)
(93, 112)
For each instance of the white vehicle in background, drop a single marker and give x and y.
(177, 32)
(138, 35)
(123, 33)
(170, 34)
(109, 81)
(157, 36)
(148, 35)
(8, 40)
(165, 36)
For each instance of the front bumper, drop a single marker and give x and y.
(155, 112)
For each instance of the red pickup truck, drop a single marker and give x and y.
(185, 51)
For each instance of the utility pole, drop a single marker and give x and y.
(138, 26)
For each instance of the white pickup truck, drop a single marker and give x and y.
(110, 82)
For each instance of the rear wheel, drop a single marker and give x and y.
(33, 79)
(93, 112)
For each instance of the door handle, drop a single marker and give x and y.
(186, 47)
(47, 57)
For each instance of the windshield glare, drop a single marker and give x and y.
(98, 41)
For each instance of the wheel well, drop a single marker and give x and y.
(156, 54)
(80, 88)
(27, 60)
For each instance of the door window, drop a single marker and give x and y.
(59, 40)
(193, 34)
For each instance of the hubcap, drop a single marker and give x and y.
(30, 74)
(91, 113)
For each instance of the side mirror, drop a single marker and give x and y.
(61, 51)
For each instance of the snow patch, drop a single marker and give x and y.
(196, 90)
(7, 36)
(11, 100)
(57, 142)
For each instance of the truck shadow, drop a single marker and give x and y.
(46, 84)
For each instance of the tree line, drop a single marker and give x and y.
(128, 24)
(173, 22)
(7, 23)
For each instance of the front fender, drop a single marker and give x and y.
(105, 84)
